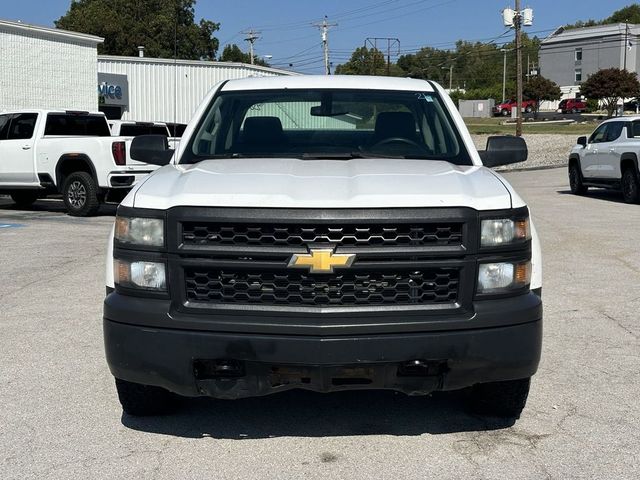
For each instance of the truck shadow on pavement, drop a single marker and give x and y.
(599, 194)
(300, 413)
(51, 205)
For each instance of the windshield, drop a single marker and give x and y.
(321, 123)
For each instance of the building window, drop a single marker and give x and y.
(578, 73)
(578, 54)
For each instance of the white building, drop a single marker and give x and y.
(47, 68)
(148, 85)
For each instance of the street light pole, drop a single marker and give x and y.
(504, 74)
(450, 76)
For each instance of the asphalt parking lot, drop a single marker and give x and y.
(61, 419)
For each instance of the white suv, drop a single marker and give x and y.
(608, 159)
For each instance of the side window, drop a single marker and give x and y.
(22, 126)
(634, 130)
(4, 126)
(599, 135)
(614, 131)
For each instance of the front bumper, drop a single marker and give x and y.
(180, 359)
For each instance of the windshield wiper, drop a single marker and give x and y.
(345, 155)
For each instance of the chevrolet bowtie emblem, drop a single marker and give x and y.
(321, 260)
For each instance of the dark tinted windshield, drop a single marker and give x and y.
(325, 124)
(134, 130)
(77, 125)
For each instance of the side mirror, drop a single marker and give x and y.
(153, 149)
(504, 150)
(582, 141)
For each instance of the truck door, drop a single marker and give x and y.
(17, 141)
(590, 155)
(611, 150)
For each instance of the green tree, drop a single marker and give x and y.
(126, 24)
(610, 85)
(628, 14)
(364, 61)
(232, 53)
(541, 89)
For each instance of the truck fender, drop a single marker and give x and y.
(628, 159)
(109, 282)
(73, 162)
(536, 258)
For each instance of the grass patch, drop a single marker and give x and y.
(493, 126)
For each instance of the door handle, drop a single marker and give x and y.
(26, 147)
(612, 150)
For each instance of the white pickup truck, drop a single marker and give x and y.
(44, 152)
(132, 129)
(608, 159)
(324, 233)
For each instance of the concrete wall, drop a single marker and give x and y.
(41, 69)
(153, 95)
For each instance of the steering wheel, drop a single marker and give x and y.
(404, 140)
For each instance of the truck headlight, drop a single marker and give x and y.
(140, 274)
(503, 231)
(503, 277)
(145, 232)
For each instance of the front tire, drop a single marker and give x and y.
(501, 399)
(630, 186)
(528, 110)
(80, 194)
(505, 112)
(145, 400)
(24, 199)
(575, 180)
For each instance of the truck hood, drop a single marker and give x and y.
(294, 183)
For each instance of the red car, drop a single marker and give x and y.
(572, 105)
(505, 107)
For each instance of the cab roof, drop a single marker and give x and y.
(347, 82)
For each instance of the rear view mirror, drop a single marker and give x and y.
(320, 111)
(504, 150)
(153, 149)
(582, 141)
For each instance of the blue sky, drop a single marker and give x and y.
(289, 36)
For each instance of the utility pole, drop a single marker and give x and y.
(518, 27)
(324, 30)
(450, 68)
(251, 37)
(504, 74)
(392, 43)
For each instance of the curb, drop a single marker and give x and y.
(529, 169)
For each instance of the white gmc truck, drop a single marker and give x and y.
(323, 233)
(608, 159)
(44, 152)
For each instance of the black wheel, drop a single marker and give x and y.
(24, 199)
(505, 112)
(630, 186)
(575, 180)
(528, 109)
(80, 194)
(574, 111)
(500, 399)
(145, 400)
